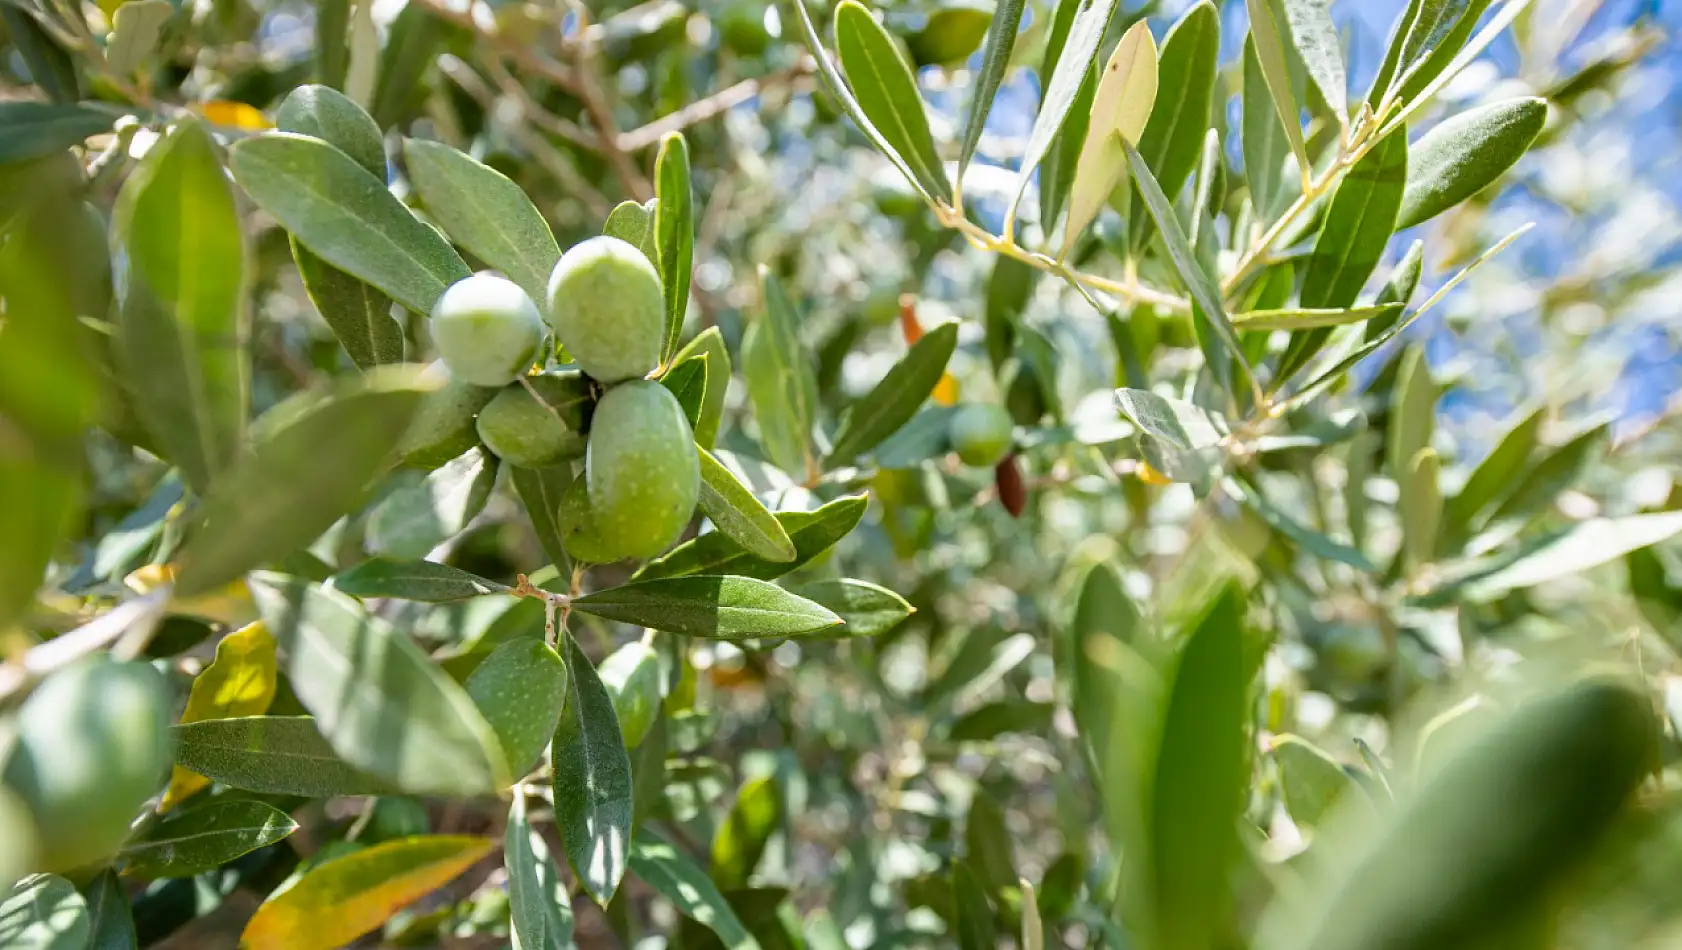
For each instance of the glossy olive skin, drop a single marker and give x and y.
(521, 430)
(982, 434)
(93, 745)
(520, 689)
(487, 330)
(608, 309)
(641, 470)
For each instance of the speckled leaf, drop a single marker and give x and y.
(714, 606)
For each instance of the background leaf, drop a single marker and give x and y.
(659, 865)
(887, 93)
(592, 781)
(34, 129)
(897, 397)
(540, 907)
(426, 581)
(43, 912)
(204, 838)
(779, 377)
(867, 609)
(722, 607)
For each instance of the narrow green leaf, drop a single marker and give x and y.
(1320, 545)
(308, 470)
(1200, 780)
(739, 515)
(540, 491)
(973, 913)
(1388, 67)
(674, 229)
(1173, 138)
(1074, 59)
(1431, 25)
(30, 129)
(660, 866)
(1582, 547)
(1273, 70)
(332, 47)
(1420, 91)
(813, 532)
(633, 223)
(110, 919)
(709, 343)
(780, 381)
(897, 397)
(539, 905)
(741, 838)
(1311, 781)
(43, 912)
(376, 697)
(1413, 412)
(413, 41)
(1424, 74)
(426, 581)
(1357, 228)
(427, 509)
(886, 90)
(329, 115)
(1204, 292)
(183, 319)
(1545, 477)
(484, 212)
(1181, 423)
(987, 847)
(1105, 616)
(995, 60)
(1267, 137)
(274, 755)
(592, 781)
(1465, 154)
(1120, 108)
(1499, 471)
(346, 216)
(721, 607)
(1301, 318)
(1419, 504)
(687, 380)
(867, 609)
(205, 838)
(849, 103)
(1317, 42)
(357, 312)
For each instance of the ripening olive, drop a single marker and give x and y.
(521, 430)
(578, 528)
(520, 689)
(92, 745)
(632, 677)
(487, 329)
(981, 433)
(641, 469)
(608, 310)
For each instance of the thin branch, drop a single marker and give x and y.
(521, 53)
(589, 91)
(128, 626)
(703, 110)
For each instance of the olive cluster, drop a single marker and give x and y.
(606, 308)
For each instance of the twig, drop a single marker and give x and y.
(527, 57)
(128, 626)
(531, 109)
(703, 110)
(589, 91)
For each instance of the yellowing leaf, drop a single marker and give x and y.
(1151, 476)
(233, 115)
(946, 391)
(231, 605)
(344, 898)
(239, 682)
(1120, 109)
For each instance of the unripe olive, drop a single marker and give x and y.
(537, 431)
(632, 677)
(443, 427)
(92, 745)
(520, 689)
(487, 329)
(579, 534)
(741, 28)
(981, 433)
(641, 468)
(607, 308)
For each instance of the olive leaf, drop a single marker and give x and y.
(1173, 138)
(1310, 780)
(1465, 154)
(327, 114)
(897, 397)
(376, 697)
(338, 210)
(31, 129)
(674, 233)
(740, 516)
(540, 491)
(592, 781)
(1120, 108)
(813, 532)
(426, 581)
(276, 755)
(1304, 318)
(1268, 137)
(723, 607)
(780, 381)
(867, 609)
(659, 865)
(182, 315)
(995, 60)
(204, 838)
(424, 510)
(539, 905)
(484, 212)
(886, 92)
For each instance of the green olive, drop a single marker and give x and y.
(520, 690)
(982, 434)
(632, 677)
(641, 469)
(92, 745)
(578, 528)
(608, 310)
(487, 330)
(523, 431)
